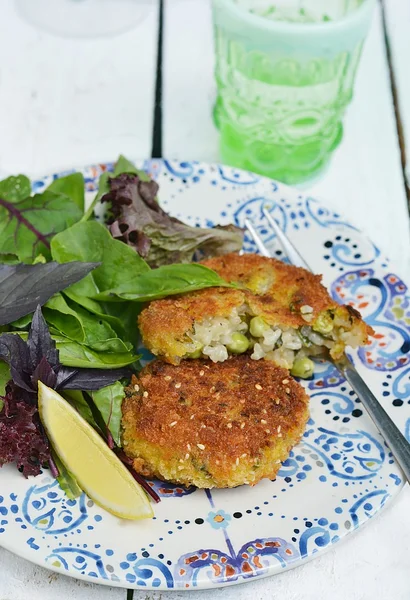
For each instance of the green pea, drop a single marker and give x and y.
(239, 343)
(196, 353)
(258, 326)
(323, 324)
(303, 367)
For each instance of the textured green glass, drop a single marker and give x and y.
(285, 75)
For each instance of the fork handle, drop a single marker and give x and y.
(396, 441)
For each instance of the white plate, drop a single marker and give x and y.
(334, 481)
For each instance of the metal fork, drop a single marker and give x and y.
(396, 441)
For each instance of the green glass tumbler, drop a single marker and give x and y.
(285, 73)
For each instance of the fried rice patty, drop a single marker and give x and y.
(212, 425)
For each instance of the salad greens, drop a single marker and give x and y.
(139, 221)
(28, 222)
(91, 282)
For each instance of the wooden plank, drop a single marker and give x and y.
(397, 28)
(364, 180)
(68, 102)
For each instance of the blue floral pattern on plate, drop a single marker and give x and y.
(334, 481)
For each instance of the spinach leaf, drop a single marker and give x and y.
(102, 310)
(79, 325)
(120, 265)
(72, 186)
(167, 281)
(27, 225)
(73, 354)
(108, 400)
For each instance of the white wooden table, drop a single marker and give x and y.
(68, 102)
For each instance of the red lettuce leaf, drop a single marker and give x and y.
(22, 438)
(138, 220)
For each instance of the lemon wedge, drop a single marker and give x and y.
(84, 453)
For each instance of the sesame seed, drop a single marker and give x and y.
(201, 446)
(136, 388)
(267, 430)
(201, 373)
(285, 381)
(263, 421)
(189, 447)
(244, 455)
(173, 423)
(191, 417)
(242, 425)
(180, 468)
(305, 309)
(237, 462)
(167, 378)
(279, 435)
(213, 388)
(287, 390)
(277, 401)
(279, 428)
(258, 386)
(187, 456)
(265, 411)
(203, 426)
(145, 394)
(178, 385)
(229, 425)
(181, 460)
(217, 462)
(278, 462)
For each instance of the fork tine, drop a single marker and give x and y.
(257, 239)
(289, 249)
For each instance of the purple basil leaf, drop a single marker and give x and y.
(88, 379)
(44, 372)
(40, 343)
(23, 287)
(14, 351)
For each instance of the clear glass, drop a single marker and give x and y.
(84, 18)
(285, 73)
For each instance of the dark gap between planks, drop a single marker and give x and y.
(156, 151)
(395, 95)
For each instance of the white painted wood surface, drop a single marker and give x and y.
(70, 102)
(398, 28)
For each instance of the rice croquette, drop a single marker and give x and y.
(280, 312)
(212, 425)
